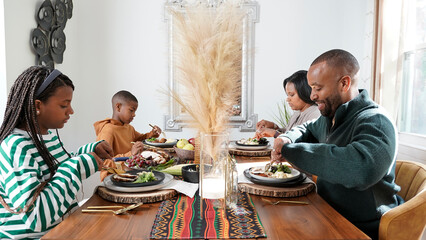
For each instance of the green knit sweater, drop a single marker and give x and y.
(354, 160)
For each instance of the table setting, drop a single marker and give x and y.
(296, 185)
(250, 147)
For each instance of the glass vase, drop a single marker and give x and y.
(231, 179)
(213, 166)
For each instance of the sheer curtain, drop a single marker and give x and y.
(389, 53)
(399, 32)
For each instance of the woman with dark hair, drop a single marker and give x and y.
(39, 179)
(298, 98)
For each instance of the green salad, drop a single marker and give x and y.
(145, 177)
(280, 168)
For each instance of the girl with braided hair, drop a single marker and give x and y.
(39, 179)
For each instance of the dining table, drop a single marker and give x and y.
(314, 220)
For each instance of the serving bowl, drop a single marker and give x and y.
(191, 173)
(184, 154)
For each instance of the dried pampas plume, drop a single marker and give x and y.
(208, 54)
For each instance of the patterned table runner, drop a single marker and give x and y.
(179, 218)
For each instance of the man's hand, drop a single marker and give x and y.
(137, 148)
(104, 150)
(276, 152)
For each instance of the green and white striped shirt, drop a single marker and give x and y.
(23, 169)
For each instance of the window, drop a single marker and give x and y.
(412, 114)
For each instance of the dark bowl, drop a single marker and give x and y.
(190, 173)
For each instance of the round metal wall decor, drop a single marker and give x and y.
(48, 39)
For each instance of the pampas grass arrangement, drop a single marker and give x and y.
(208, 53)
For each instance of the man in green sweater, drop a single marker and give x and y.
(351, 147)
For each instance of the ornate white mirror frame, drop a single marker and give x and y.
(245, 119)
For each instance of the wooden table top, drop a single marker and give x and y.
(317, 220)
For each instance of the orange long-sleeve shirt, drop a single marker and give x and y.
(119, 136)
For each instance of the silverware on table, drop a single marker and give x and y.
(283, 201)
(105, 209)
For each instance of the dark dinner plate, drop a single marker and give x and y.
(291, 183)
(158, 175)
(161, 145)
(294, 175)
(251, 145)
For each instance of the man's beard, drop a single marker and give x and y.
(330, 105)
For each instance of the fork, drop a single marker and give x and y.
(283, 201)
(117, 212)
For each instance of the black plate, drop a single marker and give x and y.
(291, 183)
(251, 145)
(161, 145)
(158, 175)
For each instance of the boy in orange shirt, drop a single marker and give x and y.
(117, 130)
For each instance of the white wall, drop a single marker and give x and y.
(291, 34)
(3, 85)
(115, 45)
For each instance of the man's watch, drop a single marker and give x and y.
(277, 133)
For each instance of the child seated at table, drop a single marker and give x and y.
(39, 179)
(117, 130)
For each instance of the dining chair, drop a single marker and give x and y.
(408, 220)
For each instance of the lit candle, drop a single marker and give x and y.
(213, 188)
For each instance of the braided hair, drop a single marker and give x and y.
(21, 111)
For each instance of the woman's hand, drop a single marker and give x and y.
(265, 132)
(104, 150)
(137, 148)
(265, 124)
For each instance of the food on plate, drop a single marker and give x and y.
(118, 168)
(170, 140)
(253, 141)
(186, 144)
(272, 171)
(124, 177)
(156, 140)
(148, 158)
(145, 177)
(111, 167)
(140, 177)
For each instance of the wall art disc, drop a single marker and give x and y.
(39, 42)
(46, 15)
(57, 45)
(61, 14)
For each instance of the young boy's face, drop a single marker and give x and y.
(127, 111)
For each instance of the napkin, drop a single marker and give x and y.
(183, 187)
